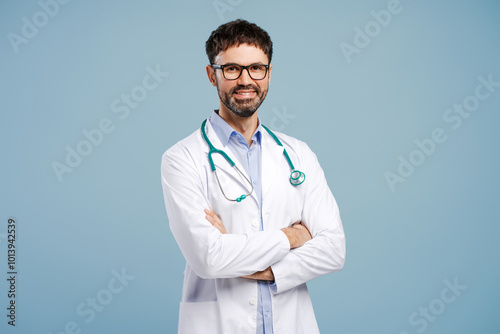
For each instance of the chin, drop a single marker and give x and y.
(243, 113)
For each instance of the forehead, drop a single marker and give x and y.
(243, 54)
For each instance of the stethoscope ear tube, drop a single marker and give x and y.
(213, 149)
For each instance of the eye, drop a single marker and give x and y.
(232, 68)
(258, 68)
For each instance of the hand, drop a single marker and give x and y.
(265, 275)
(212, 217)
(297, 234)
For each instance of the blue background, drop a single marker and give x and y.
(359, 114)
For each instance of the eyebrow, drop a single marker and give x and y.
(258, 63)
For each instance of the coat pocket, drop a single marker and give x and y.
(199, 317)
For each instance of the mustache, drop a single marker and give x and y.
(249, 87)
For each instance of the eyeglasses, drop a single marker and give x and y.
(233, 71)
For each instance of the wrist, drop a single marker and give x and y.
(269, 274)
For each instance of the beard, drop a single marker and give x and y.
(242, 107)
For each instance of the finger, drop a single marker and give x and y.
(216, 218)
(214, 221)
(211, 213)
(210, 219)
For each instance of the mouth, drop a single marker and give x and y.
(244, 93)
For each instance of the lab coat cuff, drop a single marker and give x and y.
(280, 281)
(284, 241)
(282, 245)
(286, 248)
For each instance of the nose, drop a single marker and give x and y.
(245, 78)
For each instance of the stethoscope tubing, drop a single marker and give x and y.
(296, 177)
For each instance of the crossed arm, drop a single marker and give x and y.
(297, 235)
(211, 254)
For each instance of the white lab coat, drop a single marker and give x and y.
(215, 299)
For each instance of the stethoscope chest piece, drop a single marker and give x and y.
(297, 177)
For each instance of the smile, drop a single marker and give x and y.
(244, 93)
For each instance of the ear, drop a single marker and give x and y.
(211, 75)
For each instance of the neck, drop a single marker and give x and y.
(244, 125)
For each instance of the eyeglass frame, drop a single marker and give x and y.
(221, 67)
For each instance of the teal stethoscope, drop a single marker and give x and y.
(296, 177)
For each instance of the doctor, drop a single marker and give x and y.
(254, 233)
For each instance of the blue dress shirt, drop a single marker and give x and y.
(250, 158)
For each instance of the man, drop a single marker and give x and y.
(253, 234)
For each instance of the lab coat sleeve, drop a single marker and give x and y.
(325, 252)
(208, 252)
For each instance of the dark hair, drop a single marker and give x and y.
(235, 33)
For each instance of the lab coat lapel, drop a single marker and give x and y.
(224, 166)
(272, 157)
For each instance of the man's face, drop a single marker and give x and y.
(244, 95)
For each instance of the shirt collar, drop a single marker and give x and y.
(224, 131)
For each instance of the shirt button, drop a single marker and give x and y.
(253, 301)
(266, 314)
(255, 222)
